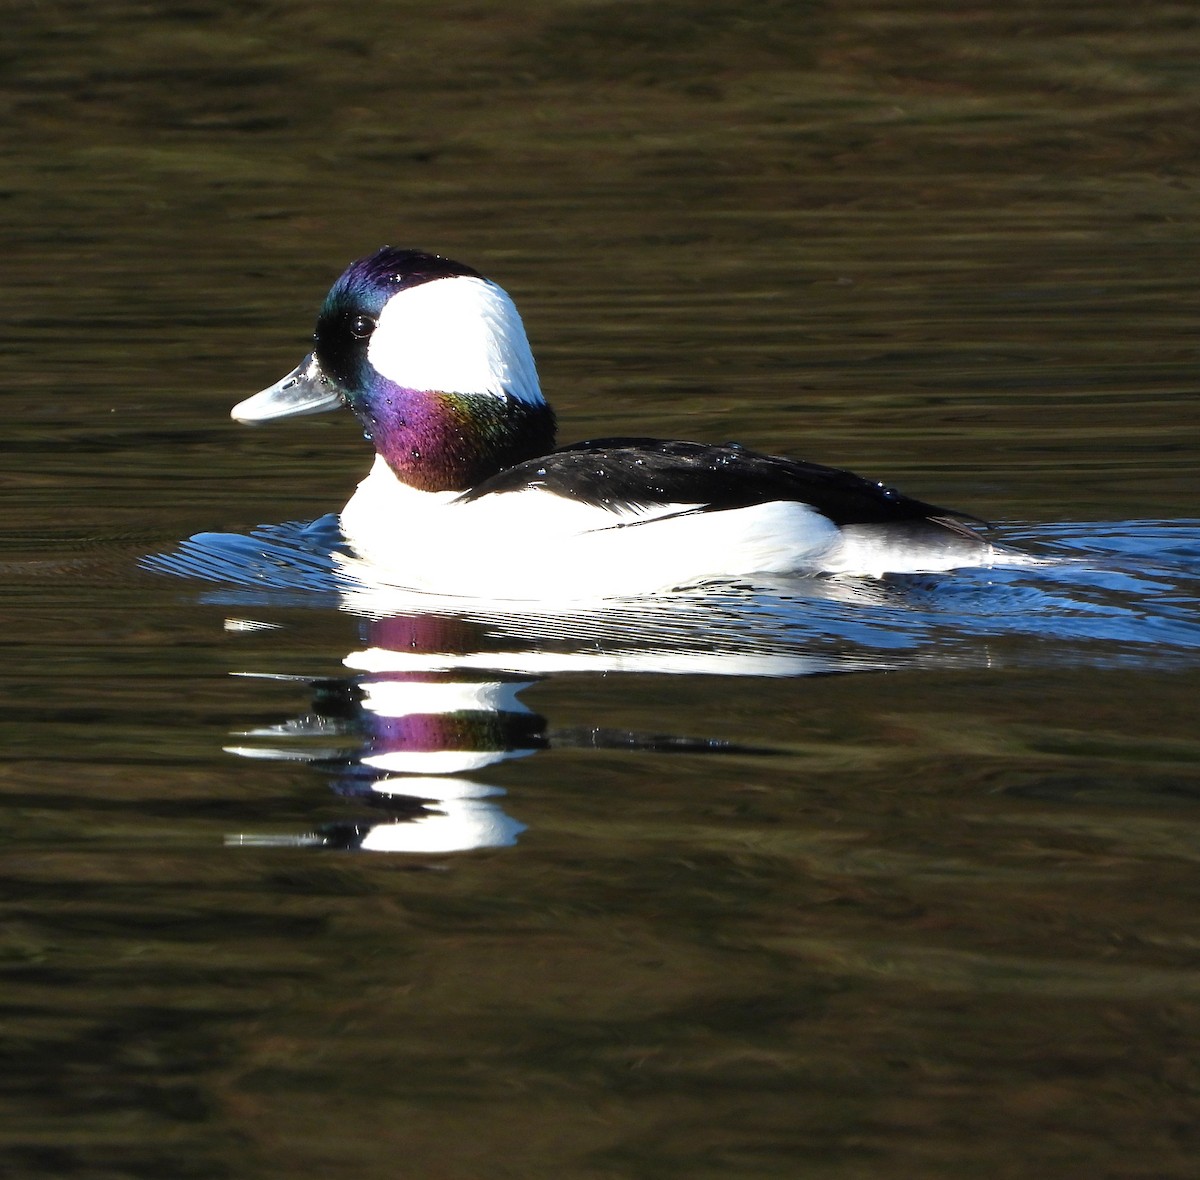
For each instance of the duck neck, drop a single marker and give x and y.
(439, 442)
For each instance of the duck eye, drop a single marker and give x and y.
(361, 326)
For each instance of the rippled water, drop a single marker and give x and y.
(1121, 592)
(435, 693)
(817, 878)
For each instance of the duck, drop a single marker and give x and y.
(469, 496)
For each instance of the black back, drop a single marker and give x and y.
(636, 473)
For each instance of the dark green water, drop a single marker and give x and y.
(935, 917)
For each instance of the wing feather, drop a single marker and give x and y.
(635, 474)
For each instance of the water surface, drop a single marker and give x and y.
(794, 880)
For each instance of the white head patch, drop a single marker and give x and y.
(458, 335)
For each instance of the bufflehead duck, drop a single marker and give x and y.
(468, 496)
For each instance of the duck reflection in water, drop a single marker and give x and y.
(434, 700)
(403, 741)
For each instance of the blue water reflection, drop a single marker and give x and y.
(1135, 584)
(432, 700)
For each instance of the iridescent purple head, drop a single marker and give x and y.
(434, 361)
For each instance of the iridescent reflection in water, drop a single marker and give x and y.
(436, 692)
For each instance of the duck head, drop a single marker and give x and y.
(433, 360)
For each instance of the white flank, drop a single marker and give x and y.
(533, 544)
(456, 335)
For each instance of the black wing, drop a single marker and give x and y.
(637, 473)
